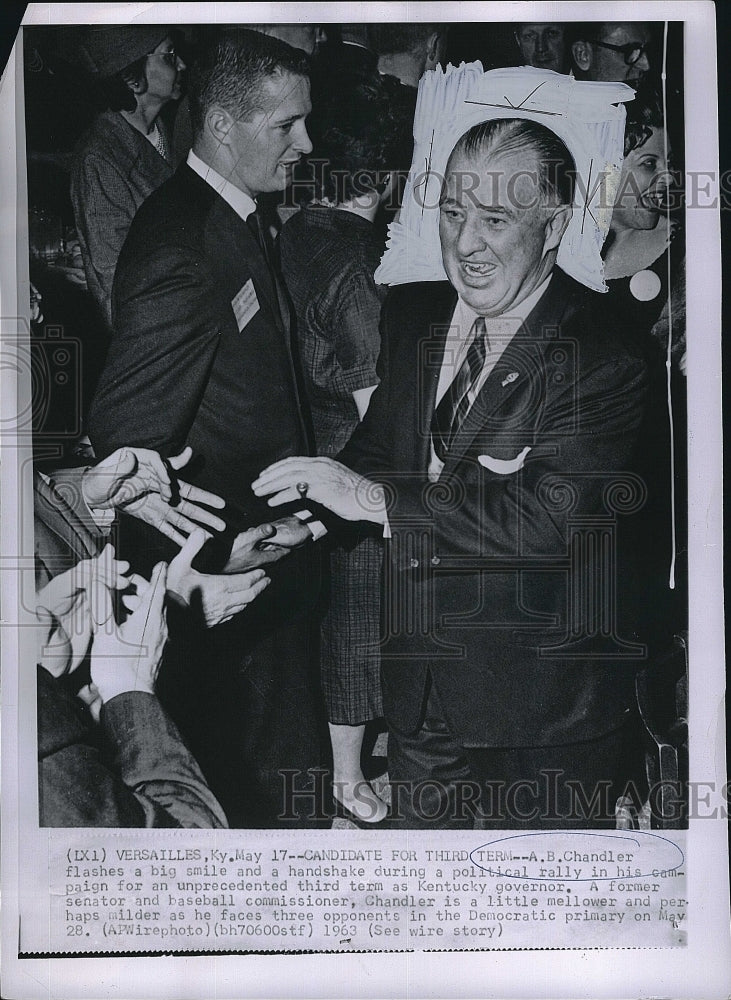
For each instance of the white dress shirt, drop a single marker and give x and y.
(500, 331)
(240, 202)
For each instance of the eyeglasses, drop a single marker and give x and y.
(170, 57)
(632, 51)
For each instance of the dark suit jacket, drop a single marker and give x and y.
(132, 769)
(485, 562)
(181, 372)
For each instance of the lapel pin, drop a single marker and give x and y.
(509, 378)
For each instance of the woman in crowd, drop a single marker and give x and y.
(125, 155)
(361, 132)
(641, 242)
(644, 267)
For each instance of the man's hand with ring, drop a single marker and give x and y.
(344, 492)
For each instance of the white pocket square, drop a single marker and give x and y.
(504, 466)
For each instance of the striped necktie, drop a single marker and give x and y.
(459, 397)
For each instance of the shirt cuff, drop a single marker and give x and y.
(317, 528)
(103, 519)
(96, 519)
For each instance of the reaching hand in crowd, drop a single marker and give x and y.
(344, 492)
(127, 657)
(73, 604)
(139, 481)
(266, 543)
(219, 597)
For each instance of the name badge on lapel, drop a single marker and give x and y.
(245, 304)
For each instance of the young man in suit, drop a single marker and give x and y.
(506, 415)
(201, 355)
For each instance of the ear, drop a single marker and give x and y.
(555, 227)
(435, 48)
(386, 188)
(218, 124)
(137, 84)
(581, 51)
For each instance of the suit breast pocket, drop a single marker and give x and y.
(506, 463)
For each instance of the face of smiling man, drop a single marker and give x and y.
(266, 148)
(499, 237)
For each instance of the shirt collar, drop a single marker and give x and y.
(509, 322)
(241, 203)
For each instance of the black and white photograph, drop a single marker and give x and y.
(358, 536)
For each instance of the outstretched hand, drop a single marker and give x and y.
(344, 492)
(266, 543)
(220, 596)
(127, 657)
(139, 481)
(72, 604)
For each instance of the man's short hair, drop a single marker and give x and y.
(231, 68)
(391, 39)
(503, 136)
(588, 31)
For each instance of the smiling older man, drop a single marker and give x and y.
(505, 408)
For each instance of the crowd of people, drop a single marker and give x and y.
(367, 535)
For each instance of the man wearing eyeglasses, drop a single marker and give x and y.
(612, 51)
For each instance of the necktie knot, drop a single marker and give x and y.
(479, 329)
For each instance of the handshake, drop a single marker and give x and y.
(140, 482)
(75, 610)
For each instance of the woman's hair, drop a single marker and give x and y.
(644, 115)
(116, 92)
(361, 130)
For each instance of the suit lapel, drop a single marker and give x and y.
(516, 383)
(236, 240)
(240, 244)
(239, 249)
(428, 363)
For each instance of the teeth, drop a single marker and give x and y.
(653, 199)
(477, 268)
